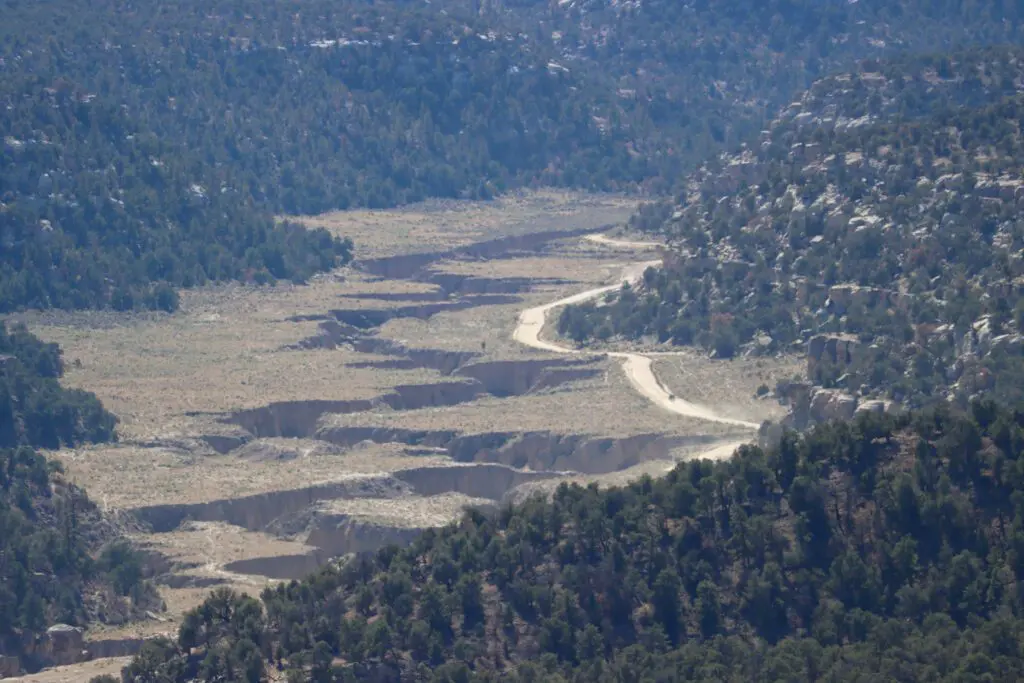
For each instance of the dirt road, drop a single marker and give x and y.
(636, 366)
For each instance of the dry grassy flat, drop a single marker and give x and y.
(127, 477)
(439, 224)
(493, 324)
(602, 406)
(221, 353)
(175, 380)
(728, 386)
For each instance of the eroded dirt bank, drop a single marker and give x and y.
(299, 419)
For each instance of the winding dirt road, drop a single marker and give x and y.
(638, 367)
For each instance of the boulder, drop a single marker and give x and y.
(830, 404)
(878, 406)
(64, 644)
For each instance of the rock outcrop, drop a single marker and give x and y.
(810, 405)
(839, 349)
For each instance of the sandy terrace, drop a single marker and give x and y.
(652, 468)
(603, 406)
(130, 476)
(213, 544)
(214, 360)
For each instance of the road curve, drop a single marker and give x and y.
(638, 367)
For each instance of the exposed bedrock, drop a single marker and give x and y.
(408, 266)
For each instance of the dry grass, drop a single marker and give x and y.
(603, 406)
(132, 476)
(168, 377)
(728, 386)
(441, 225)
(219, 354)
(221, 351)
(211, 545)
(580, 264)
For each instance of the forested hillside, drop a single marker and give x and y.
(96, 211)
(35, 410)
(60, 561)
(880, 216)
(709, 74)
(145, 147)
(879, 549)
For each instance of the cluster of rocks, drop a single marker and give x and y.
(61, 644)
(809, 404)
